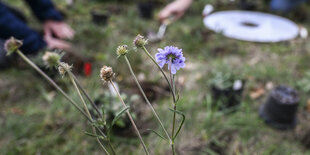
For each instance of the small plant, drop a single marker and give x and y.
(223, 81)
(53, 60)
(304, 83)
(100, 119)
(226, 89)
(173, 57)
(110, 106)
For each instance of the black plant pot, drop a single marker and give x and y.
(245, 5)
(146, 10)
(226, 98)
(100, 18)
(279, 110)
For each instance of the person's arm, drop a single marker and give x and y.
(44, 10)
(10, 25)
(176, 9)
(52, 24)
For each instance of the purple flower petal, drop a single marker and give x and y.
(173, 69)
(172, 56)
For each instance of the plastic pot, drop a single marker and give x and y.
(279, 110)
(146, 10)
(245, 5)
(229, 97)
(100, 18)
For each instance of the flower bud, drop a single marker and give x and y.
(122, 50)
(63, 68)
(51, 59)
(106, 73)
(139, 41)
(11, 45)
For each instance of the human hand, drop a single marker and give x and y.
(175, 9)
(54, 43)
(59, 29)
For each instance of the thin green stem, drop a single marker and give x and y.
(87, 96)
(80, 95)
(174, 113)
(57, 87)
(173, 128)
(90, 100)
(86, 109)
(105, 150)
(172, 82)
(173, 149)
(161, 70)
(131, 119)
(52, 82)
(111, 147)
(146, 99)
(172, 88)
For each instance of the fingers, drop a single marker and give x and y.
(169, 11)
(176, 9)
(59, 29)
(63, 31)
(68, 32)
(47, 32)
(53, 43)
(164, 14)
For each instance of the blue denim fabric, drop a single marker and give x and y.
(11, 25)
(284, 5)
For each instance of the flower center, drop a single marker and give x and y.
(171, 57)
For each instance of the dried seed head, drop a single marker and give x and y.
(122, 50)
(63, 68)
(139, 41)
(106, 73)
(11, 45)
(51, 59)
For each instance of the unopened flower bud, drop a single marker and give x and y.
(122, 50)
(63, 68)
(139, 41)
(11, 45)
(106, 73)
(51, 59)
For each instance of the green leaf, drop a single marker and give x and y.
(178, 97)
(118, 115)
(102, 110)
(94, 135)
(182, 122)
(90, 134)
(157, 134)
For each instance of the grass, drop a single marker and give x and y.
(35, 119)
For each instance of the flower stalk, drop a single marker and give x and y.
(106, 75)
(87, 96)
(52, 82)
(59, 89)
(175, 60)
(174, 113)
(77, 88)
(161, 70)
(130, 118)
(146, 99)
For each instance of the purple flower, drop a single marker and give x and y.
(172, 56)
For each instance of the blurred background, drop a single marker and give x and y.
(35, 119)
